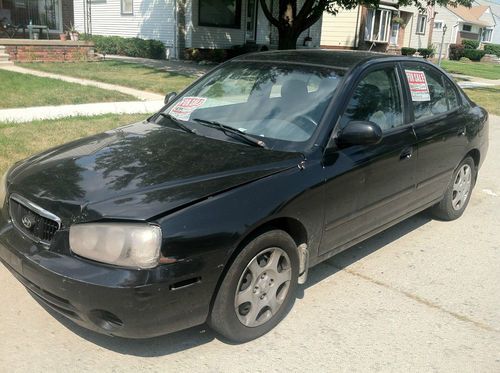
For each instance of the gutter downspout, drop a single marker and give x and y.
(176, 25)
(356, 35)
(411, 29)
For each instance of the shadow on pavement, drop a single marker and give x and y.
(201, 335)
(364, 248)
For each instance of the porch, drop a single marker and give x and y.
(48, 17)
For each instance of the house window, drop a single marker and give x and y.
(377, 25)
(486, 35)
(421, 24)
(438, 25)
(216, 13)
(127, 6)
(467, 28)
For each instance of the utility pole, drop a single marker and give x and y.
(441, 46)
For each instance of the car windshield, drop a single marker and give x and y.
(280, 105)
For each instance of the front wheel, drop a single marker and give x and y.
(259, 288)
(457, 196)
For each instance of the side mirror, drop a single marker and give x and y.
(359, 133)
(169, 97)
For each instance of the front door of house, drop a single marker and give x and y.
(251, 23)
(394, 34)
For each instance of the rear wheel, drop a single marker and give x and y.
(258, 289)
(457, 196)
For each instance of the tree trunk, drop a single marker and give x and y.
(287, 39)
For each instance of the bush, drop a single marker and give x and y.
(470, 44)
(456, 51)
(426, 52)
(132, 47)
(464, 59)
(408, 51)
(492, 49)
(474, 54)
(212, 55)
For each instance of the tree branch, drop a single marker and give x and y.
(315, 15)
(268, 14)
(305, 10)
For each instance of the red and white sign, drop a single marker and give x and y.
(418, 85)
(183, 109)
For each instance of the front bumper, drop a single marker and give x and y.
(110, 300)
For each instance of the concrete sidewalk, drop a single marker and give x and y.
(21, 115)
(475, 82)
(141, 95)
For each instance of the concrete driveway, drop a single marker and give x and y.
(422, 296)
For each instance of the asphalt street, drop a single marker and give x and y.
(422, 296)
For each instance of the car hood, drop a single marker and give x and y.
(138, 172)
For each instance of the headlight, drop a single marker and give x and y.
(3, 189)
(124, 244)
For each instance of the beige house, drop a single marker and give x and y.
(390, 27)
(475, 23)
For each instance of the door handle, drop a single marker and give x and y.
(406, 153)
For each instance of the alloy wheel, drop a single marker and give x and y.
(461, 187)
(263, 287)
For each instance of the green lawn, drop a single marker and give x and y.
(21, 90)
(487, 97)
(18, 141)
(122, 73)
(478, 69)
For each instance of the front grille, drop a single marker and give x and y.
(35, 222)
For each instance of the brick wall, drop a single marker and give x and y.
(53, 51)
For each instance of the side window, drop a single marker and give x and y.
(376, 99)
(451, 96)
(427, 89)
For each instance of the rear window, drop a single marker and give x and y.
(430, 92)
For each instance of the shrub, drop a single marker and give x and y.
(474, 54)
(492, 49)
(456, 51)
(408, 51)
(132, 47)
(470, 44)
(464, 59)
(426, 52)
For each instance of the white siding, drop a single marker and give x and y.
(152, 19)
(218, 37)
(452, 23)
(495, 11)
(340, 30)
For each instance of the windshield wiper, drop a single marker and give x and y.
(228, 129)
(178, 123)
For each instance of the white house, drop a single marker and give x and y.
(495, 12)
(183, 24)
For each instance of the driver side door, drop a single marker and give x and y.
(370, 186)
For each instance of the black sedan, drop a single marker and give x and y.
(214, 209)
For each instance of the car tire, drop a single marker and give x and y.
(457, 195)
(259, 288)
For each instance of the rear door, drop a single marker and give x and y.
(439, 121)
(369, 186)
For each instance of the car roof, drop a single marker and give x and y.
(332, 58)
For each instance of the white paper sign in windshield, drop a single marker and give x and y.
(418, 85)
(183, 109)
